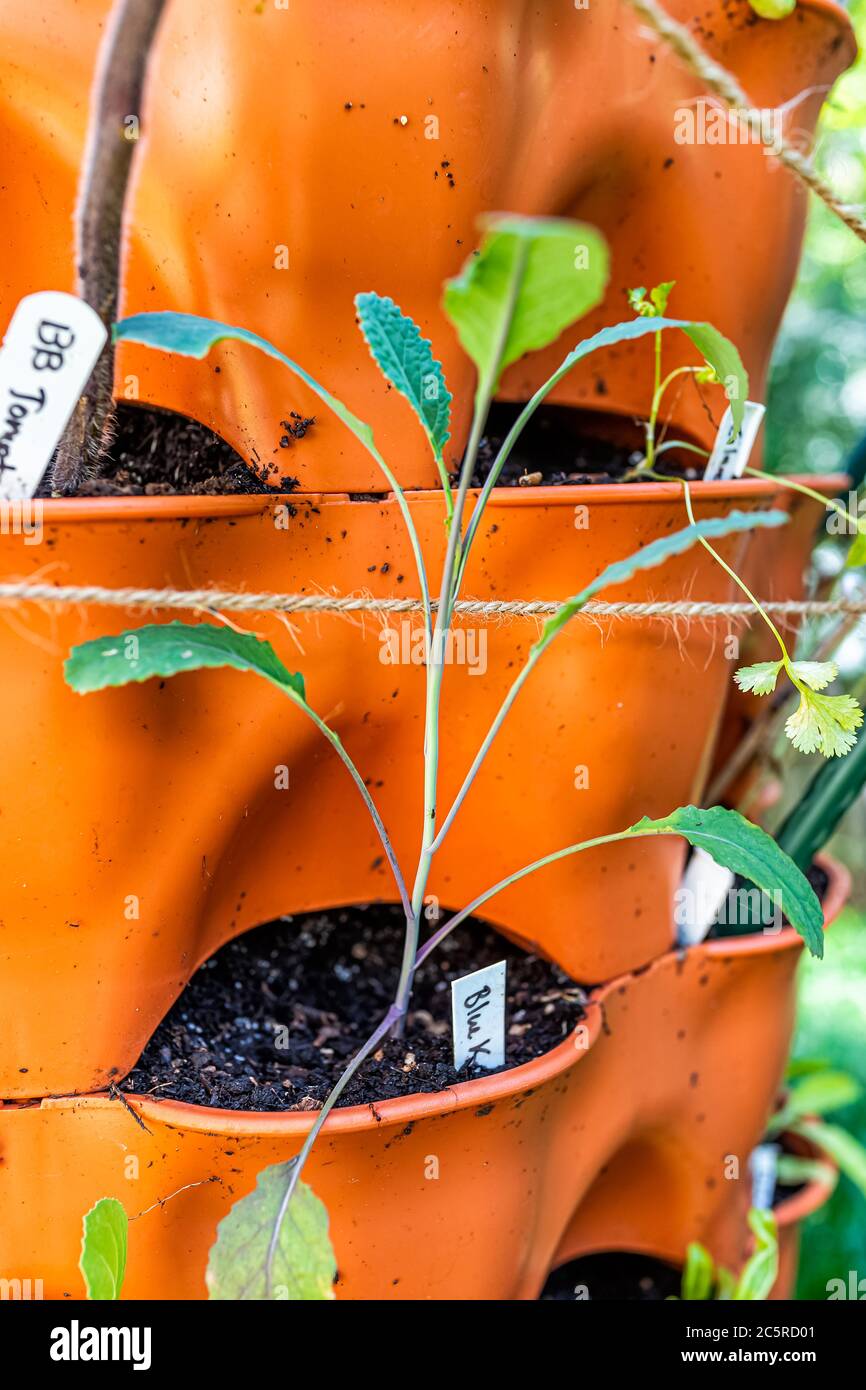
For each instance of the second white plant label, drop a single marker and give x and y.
(478, 1013)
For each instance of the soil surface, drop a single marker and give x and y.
(615, 1276)
(561, 446)
(269, 1022)
(156, 453)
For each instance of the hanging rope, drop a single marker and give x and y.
(726, 87)
(232, 601)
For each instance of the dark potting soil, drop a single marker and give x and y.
(269, 1022)
(561, 446)
(156, 453)
(613, 1276)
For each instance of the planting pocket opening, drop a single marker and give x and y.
(613, 1276)
(269, 1021)
(565, 445)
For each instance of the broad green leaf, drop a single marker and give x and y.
(838, 1144)
(193, 336)
(406, 360)
(655, 554)
(699, 1273)
(761, 1269)
(747, 850)
(531, 278)
(727, 364)
(660, 296)
(816, 1094)
(857, 551)
(804, 1066)
(725, 1285)
(103, 1249)
(794, 1171)
(303, 1267)
(168, 649)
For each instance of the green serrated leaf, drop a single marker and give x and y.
(761, 1269)
(531, 278)
(655, 554)
(815, 1094)
(816, 674)
(103, 1249)
(842, 1147)
(406, 360)
(169, 649)
(699, 1274)
(825, 724)
(303, 1267)
(761, 678)
(660, 295)
(748, 850)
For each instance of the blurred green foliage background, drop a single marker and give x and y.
(817, 399)
(816, 420)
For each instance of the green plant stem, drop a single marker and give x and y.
(832, 502)
(646, 464)
(298, 1163)
(455, 921)
(740, 585)
(436, 654)
(394, 1014)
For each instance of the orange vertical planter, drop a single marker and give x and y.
(618, 1138)
(291, 158)
(148, 824)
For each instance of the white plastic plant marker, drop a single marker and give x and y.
(50, 349)
(764, 1166)
(702, 892)
(478, 1016)
(730, 456)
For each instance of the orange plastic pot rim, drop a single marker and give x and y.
(60, 509)
(482, 1091)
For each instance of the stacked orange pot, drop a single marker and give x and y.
(166, 795)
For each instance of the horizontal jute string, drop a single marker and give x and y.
(231, 600)
(726, 87)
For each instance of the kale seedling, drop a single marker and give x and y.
(529, 280)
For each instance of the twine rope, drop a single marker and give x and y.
(233, 601)
(726, 87)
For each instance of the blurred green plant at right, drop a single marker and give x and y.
(817, 396)
(831, 1024)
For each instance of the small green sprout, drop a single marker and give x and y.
(704, 1281)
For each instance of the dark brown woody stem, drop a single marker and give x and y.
(112, 135)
